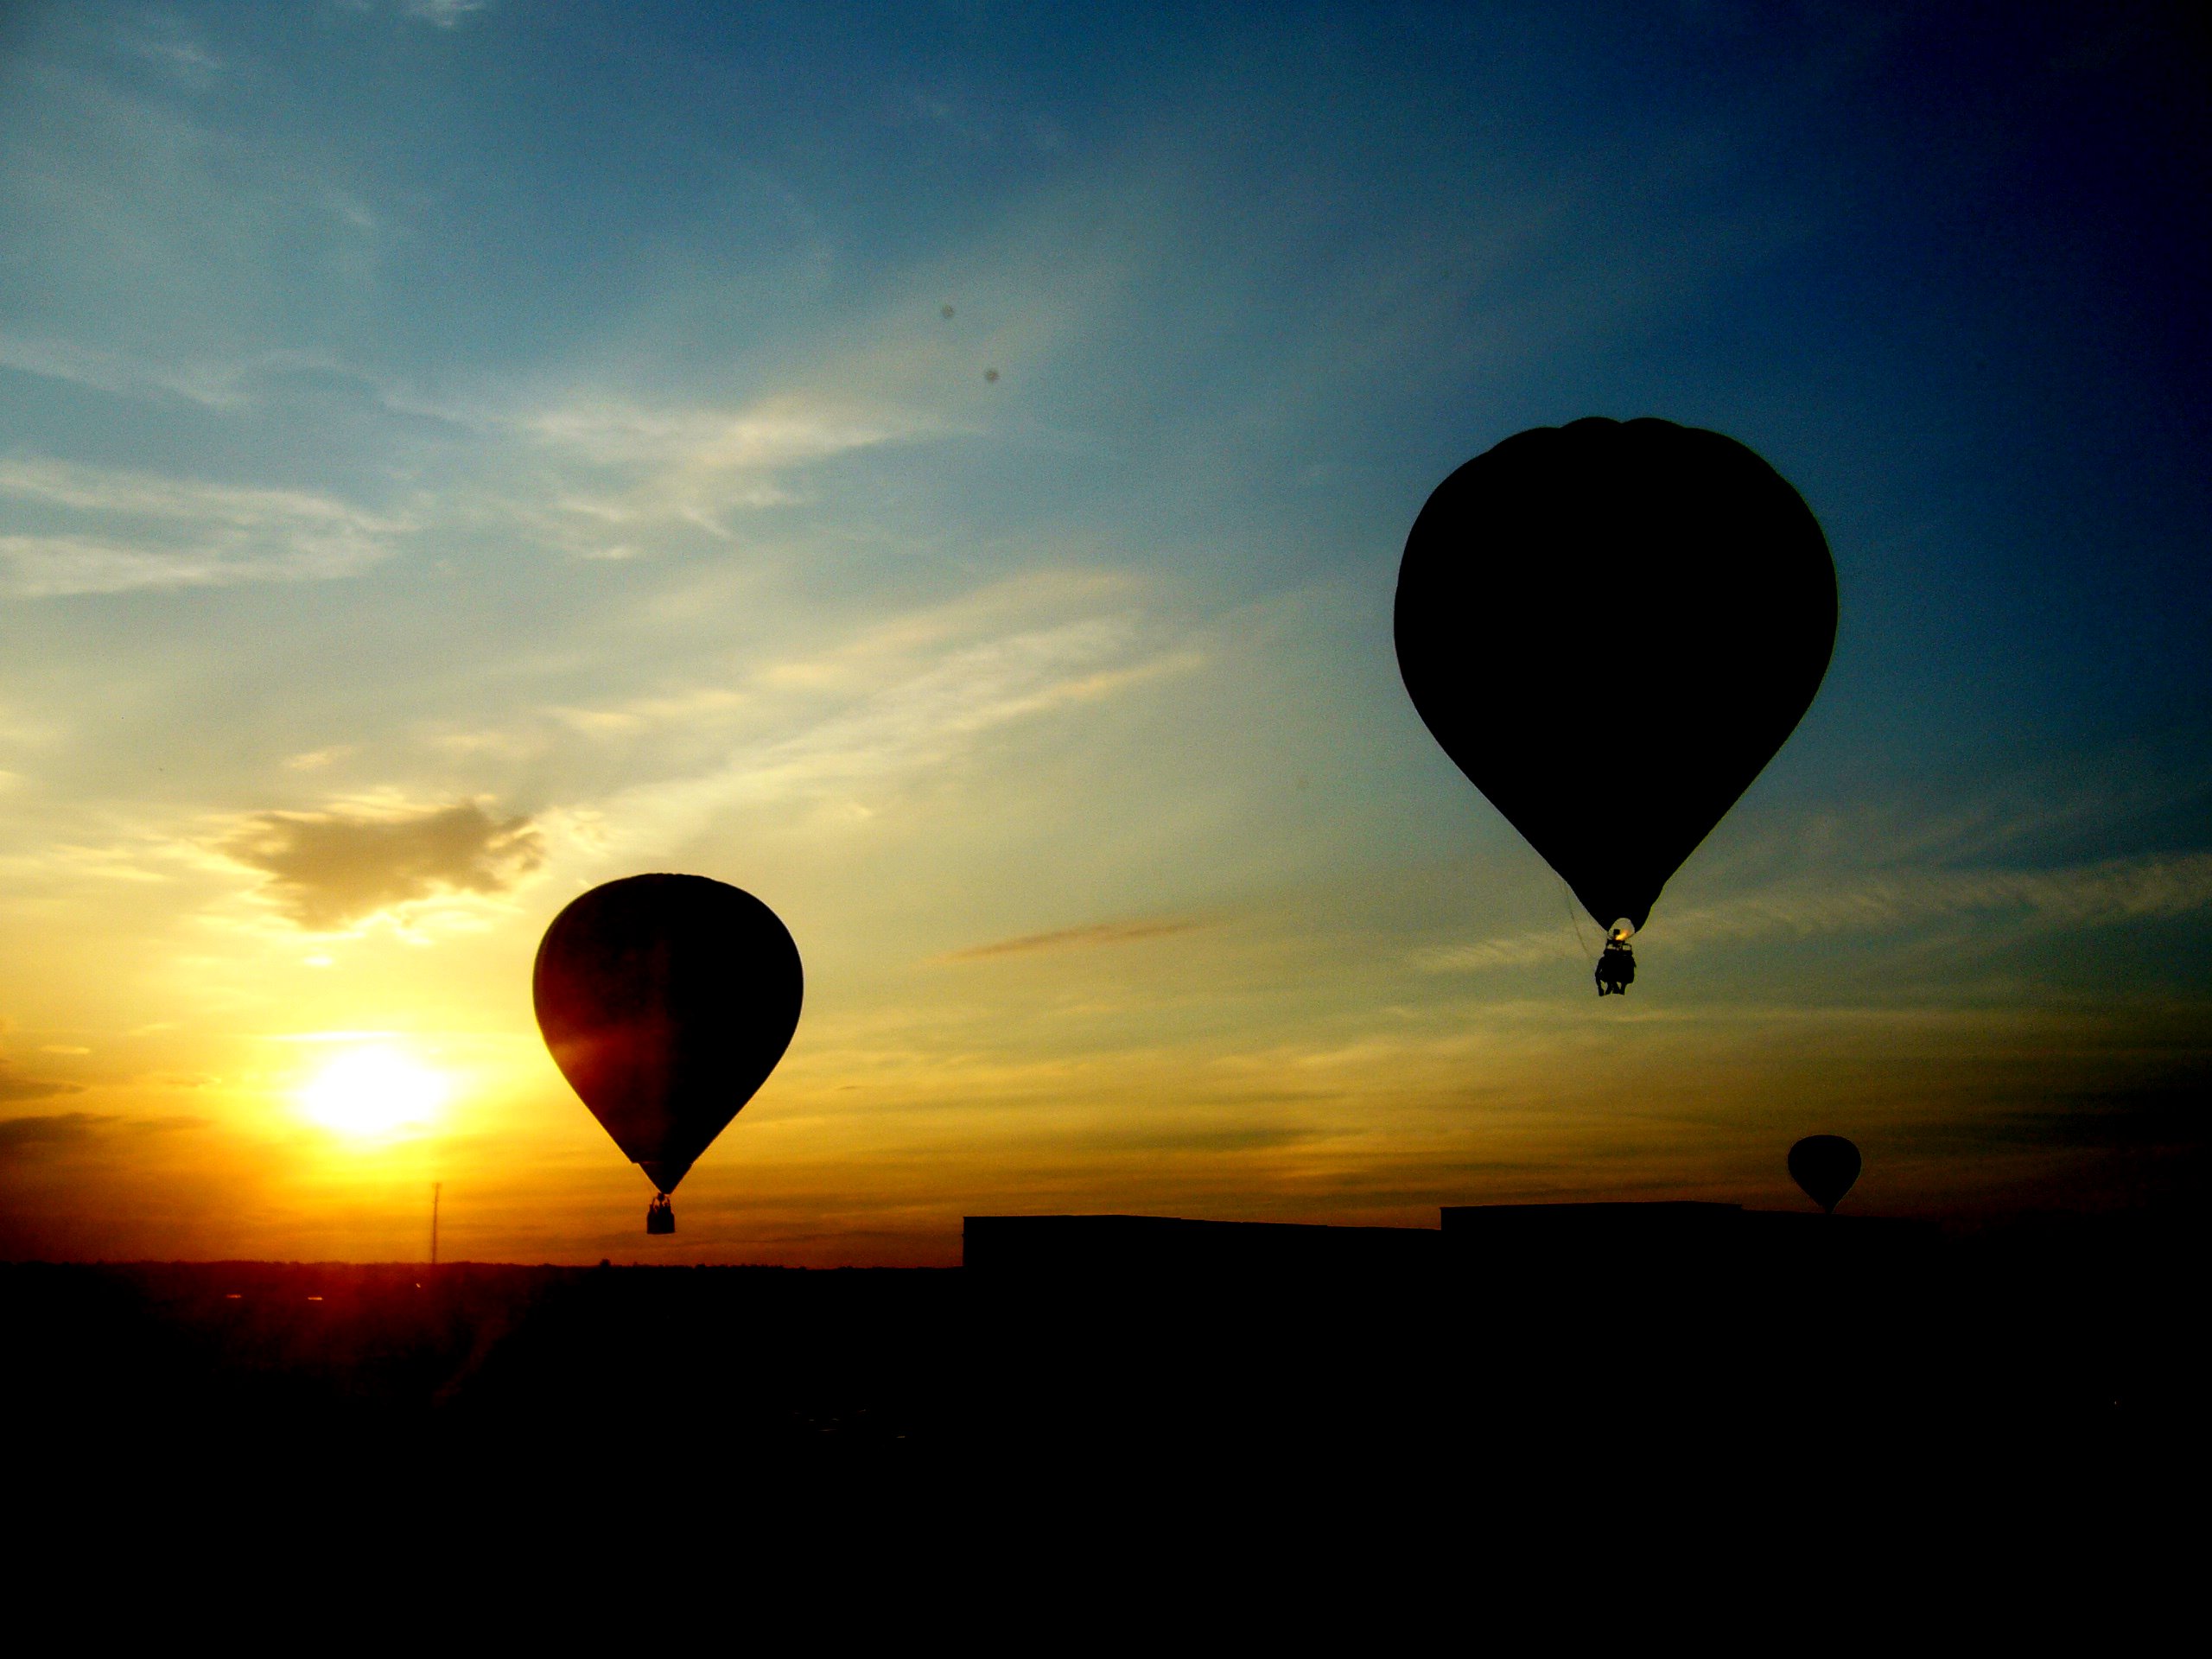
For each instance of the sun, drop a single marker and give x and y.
(372, 1091)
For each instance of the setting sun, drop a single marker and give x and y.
(369, 1092)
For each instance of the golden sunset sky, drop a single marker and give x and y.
(942, 470)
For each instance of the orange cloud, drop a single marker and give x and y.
(329, 868)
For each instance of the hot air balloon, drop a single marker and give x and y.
(666, 1002)
(1611, 626)
(1825, 1165)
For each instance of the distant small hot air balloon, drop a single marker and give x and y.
(666, 1002)
(1611, 628)
(1825, 1165)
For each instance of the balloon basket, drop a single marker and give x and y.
(660, 1216)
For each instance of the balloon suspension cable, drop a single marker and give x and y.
(1575, 920)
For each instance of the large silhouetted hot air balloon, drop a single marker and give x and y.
(1611, 628)
(1825, 1165)
(667, 1000)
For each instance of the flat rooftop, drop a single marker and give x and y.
(1568, 1234)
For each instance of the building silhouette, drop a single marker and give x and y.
(1609, 1241)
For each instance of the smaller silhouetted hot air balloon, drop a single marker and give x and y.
(666, 1002)
(1825, 1165)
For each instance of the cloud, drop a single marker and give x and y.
(1514, 950)
(2109, 894)
(783, 432)
(314, 759)
(2090, 895)
(1076, 937)
(329, 869)
(444, 14)
(704, 703)
(220, 380)
(56, 1126)
(631, 466)
(843, 725)
(2171, 1110)
(45, 567)
(921, 720)
(63, 1129)
(169, 1123)
(103, 490)
(164, 41)
(115, 530)
(103, 370)
(14, 1085)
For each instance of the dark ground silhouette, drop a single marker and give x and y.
(2047, 1374)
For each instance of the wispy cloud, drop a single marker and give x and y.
(166, 42)
(100, 490)
(845, 723)
(630, 466)
(705, 702)
(445, 13)
(920, 719)
(67, 1128)
(104, 368)
(330, 870)
(52, 1128)
(117, 530)
(16, 1085)
(315, 760)
(2088, 895)
(2114, 892)
(782, 432)
(231, 381)
(1069, 939)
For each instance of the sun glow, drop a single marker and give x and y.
(372, 1091)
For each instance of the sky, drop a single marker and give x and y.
(943, 469)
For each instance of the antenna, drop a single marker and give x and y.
(436, 1187)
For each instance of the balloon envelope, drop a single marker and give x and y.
(1825, 1165)
(1611, 628)
(666, 1002)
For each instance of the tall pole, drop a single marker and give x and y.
(436, 1187)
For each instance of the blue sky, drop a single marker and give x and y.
(452, 455)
